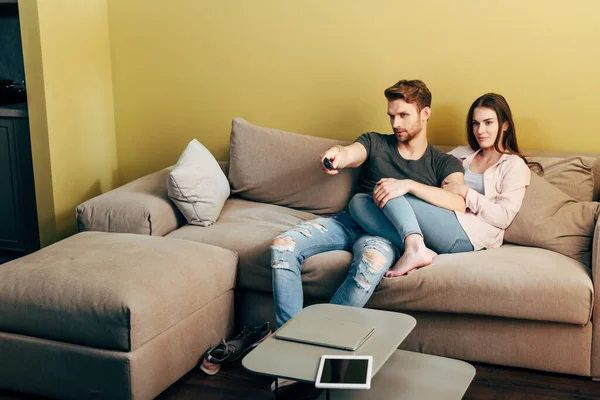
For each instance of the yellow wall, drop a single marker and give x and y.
(38, 124)
(181, 69)
(67, 63)
(184, 69)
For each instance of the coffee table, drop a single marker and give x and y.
(300, 361)
(404, 375)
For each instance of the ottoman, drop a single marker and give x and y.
(112, 315)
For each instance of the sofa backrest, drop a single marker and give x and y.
(541, 155)
(536, 154)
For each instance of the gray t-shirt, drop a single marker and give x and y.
(384, 161)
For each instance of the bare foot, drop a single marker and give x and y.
(411, 260)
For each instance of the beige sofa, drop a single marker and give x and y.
(111, 316)
(516, 305)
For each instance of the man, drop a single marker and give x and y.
(395, 165)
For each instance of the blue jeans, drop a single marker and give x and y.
(371, 258)
(408, 214)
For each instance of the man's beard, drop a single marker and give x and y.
(411, 133)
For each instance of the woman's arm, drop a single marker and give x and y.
(390, 188)
(440, 197)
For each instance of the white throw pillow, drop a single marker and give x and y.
(197, 185)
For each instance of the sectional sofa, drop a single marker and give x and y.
(527, 304)
(127, 306)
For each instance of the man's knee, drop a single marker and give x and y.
(283, 244)
(369, 271)
(280, 246)
(376, 252)
(374, 260)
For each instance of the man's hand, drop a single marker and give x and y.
(334, 154)
(389, 188)
(458, 188)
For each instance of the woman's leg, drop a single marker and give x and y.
(396, 222)
(372, 256)
(291, 248)
(441, 230)
(375, 222)
(442, 233)
(438, 228)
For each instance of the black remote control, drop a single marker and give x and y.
(327, 163)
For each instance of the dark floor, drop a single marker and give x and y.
(490, 383)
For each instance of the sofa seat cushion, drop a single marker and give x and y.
(511, 281)
(248, 227)
(109, 290)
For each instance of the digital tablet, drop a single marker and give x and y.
(344, 372)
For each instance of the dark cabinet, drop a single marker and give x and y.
(18, 215)
(19, 234)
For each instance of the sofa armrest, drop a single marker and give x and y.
(141, 207)
(595, 362)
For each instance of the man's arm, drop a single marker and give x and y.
(440, 197)
(389, 188)
(351, 156)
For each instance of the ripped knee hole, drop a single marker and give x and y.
(374, 260)
(283, 244)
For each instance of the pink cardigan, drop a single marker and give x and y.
(487, 216)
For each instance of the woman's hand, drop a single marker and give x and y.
(459, 188)
(389, 188)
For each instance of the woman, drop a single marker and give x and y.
(496, 177)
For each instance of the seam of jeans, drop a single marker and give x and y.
(460, 241)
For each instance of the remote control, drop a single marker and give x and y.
(327, 163)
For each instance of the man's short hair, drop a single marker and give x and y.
(414, 91)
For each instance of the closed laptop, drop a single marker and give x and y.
(325, 331)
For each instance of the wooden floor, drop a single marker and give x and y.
(490, 383)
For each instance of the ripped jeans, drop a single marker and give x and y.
(371, 258)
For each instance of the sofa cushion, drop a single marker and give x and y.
(197, 185)
(141, 207)
(282, 168)
(512, 281)
(248, 228)
(111, 291)
(572, 175)
(553, 220)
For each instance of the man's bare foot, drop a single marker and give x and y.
(411, 260)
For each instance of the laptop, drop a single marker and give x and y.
(323, 331)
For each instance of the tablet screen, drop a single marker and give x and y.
(345, 371)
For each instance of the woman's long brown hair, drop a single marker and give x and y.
(500, 106)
